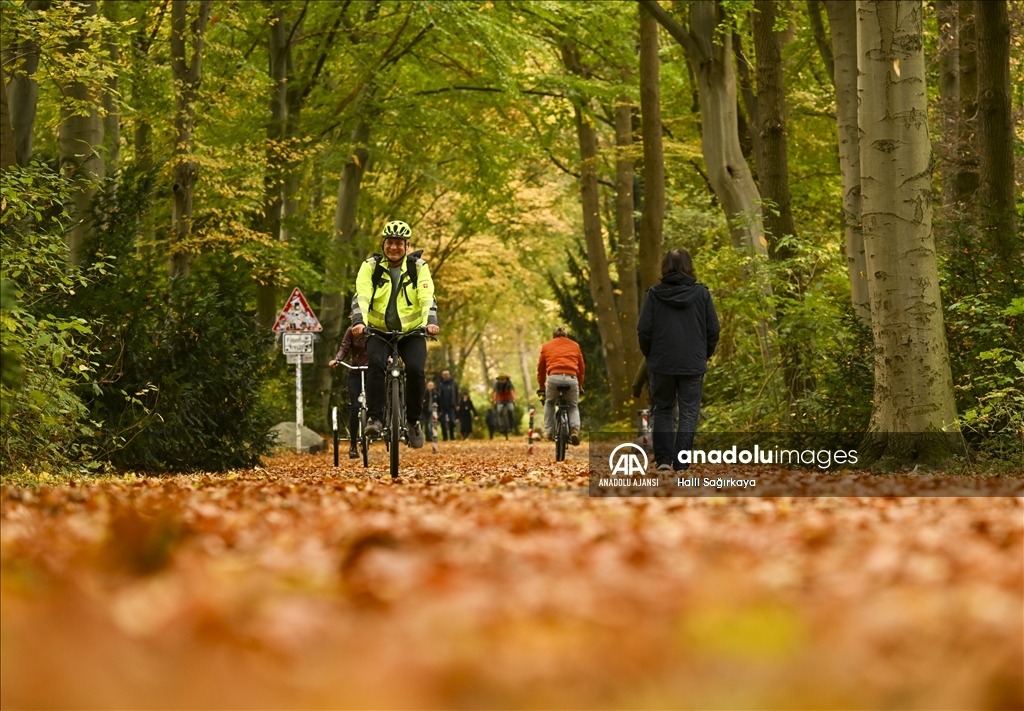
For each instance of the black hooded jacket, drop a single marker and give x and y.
(678, 326)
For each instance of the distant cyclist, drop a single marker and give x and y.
(504, 399)
(394, 292)
(561, 363)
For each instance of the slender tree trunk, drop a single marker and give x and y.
(995, 135)
(80, 145)
(968, 175)
(626, 258)
(842, 20)
(821, 38)
(111, 108)
(7, 158)
(277, 51)
(333, 304)
(23, 90)
(524, 366)
(949, 95)
(600, 280)
(771, 105)
(652, 215)
(484, 367)
(746, 85)
(913, 385)
(187, 73)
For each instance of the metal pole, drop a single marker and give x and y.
(334, 424)
(298, 406)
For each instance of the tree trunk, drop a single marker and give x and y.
(995, 135)
(111, 109)
(710, 55)
(527, 397)
(23, 91)
(333, 305)
(652, 215)
(187, 73)
(949, 95)
(913, 385)
(626, 258)
(842, 20)
(600, 280)
(7, 158)
(821, 38)
(773, 172)
(967, 172)
(80, 145)
(277, 52)
(746, 84)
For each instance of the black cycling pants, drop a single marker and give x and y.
(413, 350)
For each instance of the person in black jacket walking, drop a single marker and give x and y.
(678, 331)
(447, 403)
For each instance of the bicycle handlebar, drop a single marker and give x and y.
(381, 333)
(352, 367)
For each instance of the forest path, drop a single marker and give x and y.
(488, 578)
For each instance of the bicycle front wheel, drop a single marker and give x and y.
(395, 425)
(364, 440)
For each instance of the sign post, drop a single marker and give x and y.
(297, 323)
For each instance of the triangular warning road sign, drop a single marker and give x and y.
(297, 316)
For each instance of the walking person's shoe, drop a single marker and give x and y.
(574, 436)
(373, 428)
(353, 453)
(415, 434)
(664, 467)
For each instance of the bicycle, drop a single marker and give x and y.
(504, 419)
(362, 438)
(394, 429)
(562, 430)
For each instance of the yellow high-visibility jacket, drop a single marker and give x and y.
(416, 304)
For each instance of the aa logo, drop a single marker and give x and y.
(628, 460)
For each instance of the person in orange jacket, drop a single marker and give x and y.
(561, 363)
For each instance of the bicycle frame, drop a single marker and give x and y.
(364, 440)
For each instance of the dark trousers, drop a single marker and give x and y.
(665, 391)
(413, 350)
(355, 387)
(446, 416)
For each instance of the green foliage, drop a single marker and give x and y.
(183, 365)
(47, 354)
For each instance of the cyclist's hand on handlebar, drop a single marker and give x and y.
(333, 364)
(433, 329)
(357, 329)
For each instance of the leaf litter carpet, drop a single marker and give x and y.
(488, 578)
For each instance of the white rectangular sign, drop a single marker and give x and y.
(297, 343)
(294, 357)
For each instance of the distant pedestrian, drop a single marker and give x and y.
(678, 331)
(447, 401)
(429, 406)
(466, 414)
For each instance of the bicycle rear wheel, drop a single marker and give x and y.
(395, 425)
(364, 440)
(561, 435)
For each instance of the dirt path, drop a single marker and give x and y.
(488, 578)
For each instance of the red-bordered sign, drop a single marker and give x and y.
(297, 316)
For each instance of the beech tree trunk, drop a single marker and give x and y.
(710, 54)
(7, 158)
(277, 52)
(626, 257)
(913, 386)
(773, 173)
(652, 214)
(80, 145)
(334, 306)
(968, 175)
(187, 73)
(842, 20)
(23, 91)
(600, 281)
(949, 94)
(995, 135)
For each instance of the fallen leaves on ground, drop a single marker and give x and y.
(488, 578)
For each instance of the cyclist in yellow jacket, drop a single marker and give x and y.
(394, 292)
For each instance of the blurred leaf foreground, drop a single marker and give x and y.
(488, 578)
